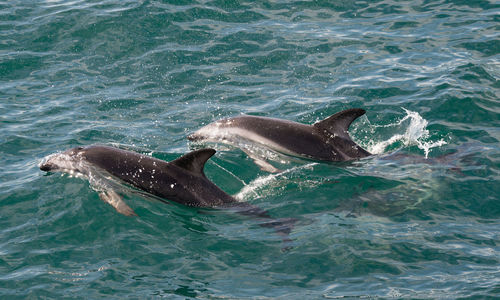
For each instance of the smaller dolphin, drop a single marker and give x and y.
(326, 140)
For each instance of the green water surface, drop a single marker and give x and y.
(145, 74)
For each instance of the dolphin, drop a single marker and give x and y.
(326, 140)
(181, 180)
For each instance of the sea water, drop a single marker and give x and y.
(418, 219)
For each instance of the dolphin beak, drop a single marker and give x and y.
(46, 166)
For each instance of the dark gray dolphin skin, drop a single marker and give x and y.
(181, 180)
(327, 140)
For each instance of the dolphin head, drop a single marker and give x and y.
(214, 132)
(66, 161)
(195, 137)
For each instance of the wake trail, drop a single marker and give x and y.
(262, 181)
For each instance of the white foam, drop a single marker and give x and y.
(415, 134)
(264, 181)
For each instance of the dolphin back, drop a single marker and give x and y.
(336, 129)
(338, 124)
(194, 161)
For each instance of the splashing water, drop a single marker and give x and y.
(415, 134)
(263, 181)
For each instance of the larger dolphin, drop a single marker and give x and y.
(327, 140)
(181, 180)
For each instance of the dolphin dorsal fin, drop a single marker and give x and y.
(339, 123)
(194, 161)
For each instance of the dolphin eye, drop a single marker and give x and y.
(79, 148)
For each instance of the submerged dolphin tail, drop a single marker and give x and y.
(194, 161)
(282, 226)
(339, 123)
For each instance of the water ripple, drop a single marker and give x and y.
(144, 74)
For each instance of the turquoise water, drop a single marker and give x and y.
(145, 74)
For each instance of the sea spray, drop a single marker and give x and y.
(416, 133)
(266, 181)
